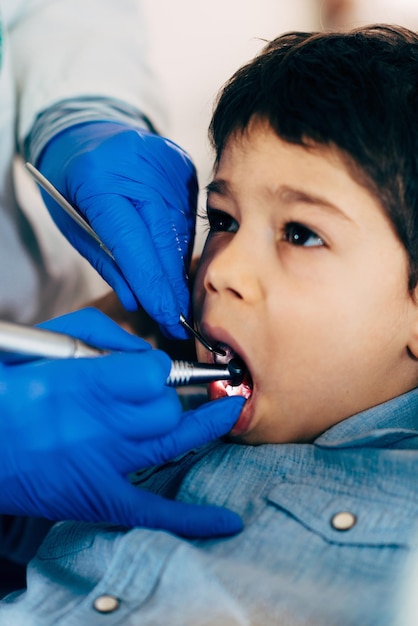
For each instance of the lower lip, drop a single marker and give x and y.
(241, 427)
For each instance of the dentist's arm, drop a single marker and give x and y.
(71, 431)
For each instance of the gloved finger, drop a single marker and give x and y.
(167, 206)
(171, 176)
(135, 507)
(109, 270)
(169, 249)
(191, 430)
(208, 422)
(141, 404)
(95, 328)
(144, 421)
(148, 254)
(181, 199)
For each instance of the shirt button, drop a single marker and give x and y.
(106, 603)
(343, 520)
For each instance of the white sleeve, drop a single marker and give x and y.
(65, 49)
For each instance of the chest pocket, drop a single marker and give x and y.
(373, 519)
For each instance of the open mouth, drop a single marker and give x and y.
(222, 388)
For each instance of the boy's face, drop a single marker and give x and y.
(303, 277)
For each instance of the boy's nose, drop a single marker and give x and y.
(236, 270)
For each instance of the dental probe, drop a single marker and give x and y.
(199, 337)
(19, 343)
(73, 213)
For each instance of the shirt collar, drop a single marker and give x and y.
(381, 426)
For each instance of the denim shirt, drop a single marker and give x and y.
(328, 527)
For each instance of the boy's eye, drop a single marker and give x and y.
(299, 235)
(221, 222)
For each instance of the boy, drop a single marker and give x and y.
(309, 275)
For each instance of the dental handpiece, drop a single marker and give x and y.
(19, 343)
(189, 373)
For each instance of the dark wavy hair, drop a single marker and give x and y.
(356, 91)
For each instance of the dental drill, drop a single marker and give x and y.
(19, 343)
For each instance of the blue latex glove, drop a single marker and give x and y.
(71, 430)
(138, 191)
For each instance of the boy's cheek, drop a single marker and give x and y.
(198, 293)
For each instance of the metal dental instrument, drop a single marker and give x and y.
(199, 337)
(19, 343)
(64, 204)
(186, 373)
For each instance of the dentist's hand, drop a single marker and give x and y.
(71, 430)
(138, 191)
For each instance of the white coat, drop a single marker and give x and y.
(52, 50)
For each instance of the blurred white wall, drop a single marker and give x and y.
(352, 13)
(197, 45)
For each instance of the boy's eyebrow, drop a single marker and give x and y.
(290, 195)
(287, 195)
(217, 186)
